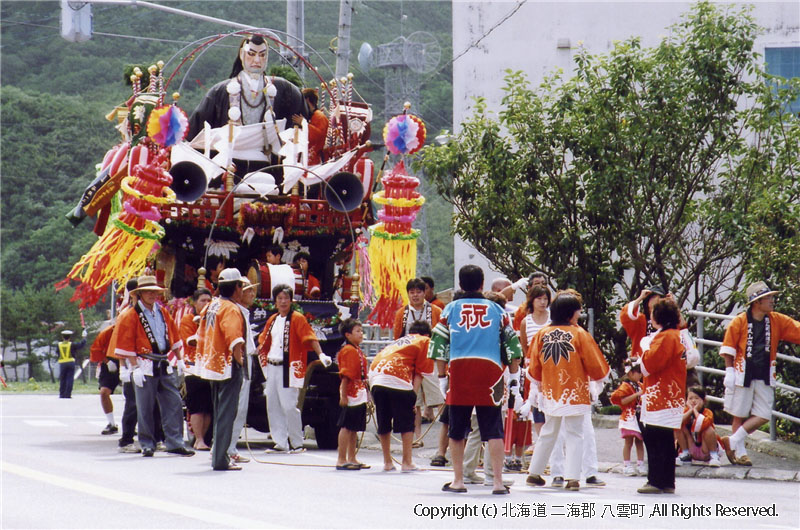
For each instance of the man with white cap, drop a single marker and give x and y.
(144, 336)
(248, 297)
(66, 362)
(749, 349)
(220, 348)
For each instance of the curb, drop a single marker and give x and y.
(729, 472)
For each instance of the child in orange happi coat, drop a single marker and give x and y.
(697, 437)
(627, 396)
(353, 394)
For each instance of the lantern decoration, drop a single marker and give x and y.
(404, 134)
(122, 252)
(393, 248)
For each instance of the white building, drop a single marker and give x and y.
(538, 37)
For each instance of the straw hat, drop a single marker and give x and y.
(758, 290)
(147, 283)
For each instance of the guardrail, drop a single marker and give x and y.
(375, 339)
(702, 342)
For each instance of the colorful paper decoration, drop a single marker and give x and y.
(393, 248)
(121, 253)
(167, 125)
(404, 134)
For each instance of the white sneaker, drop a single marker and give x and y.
(161, 446)
(629, 470)
(714, 462)
(642, 468)
(130, 448)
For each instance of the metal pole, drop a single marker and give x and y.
(343, 43)
(138, 3)
(295, 30)
(700, 345)
(590, 324)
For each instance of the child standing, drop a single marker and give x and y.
(352, 394)
(697, 437)
(627, 397)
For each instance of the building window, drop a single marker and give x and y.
(784, 62)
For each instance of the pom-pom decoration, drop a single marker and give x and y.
(404, 134)
(167, 125)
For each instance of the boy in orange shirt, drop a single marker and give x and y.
(353, 394)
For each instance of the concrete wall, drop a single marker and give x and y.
(529, 40)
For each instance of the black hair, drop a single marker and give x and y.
(258, 40)
(275, 249)
(415, 283)
(200, 292)
(282, 288)
(420, 327)
(470, 278)
(227, 289)
(348, 325)
(132, 284)
(666, 314)
(428, 281)
(634, 367)
(301, 255)
(563, 308)
(497, 298)
(699, 390)
(535, 292)
(311, 95)
(538, 274)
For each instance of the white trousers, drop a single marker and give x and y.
(244, 400)
(285, 422)
(589, 461)
(573, 436)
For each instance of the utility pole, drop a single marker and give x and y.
(296, 32)
(343, 42)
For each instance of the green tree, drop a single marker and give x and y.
(645, 167)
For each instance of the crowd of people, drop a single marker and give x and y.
(515, 379)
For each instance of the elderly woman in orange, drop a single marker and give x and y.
(563, 358)
(664, 369)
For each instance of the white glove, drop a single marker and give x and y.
(181, 367)
(522, 283)
(138, 376)
(326, 361)
(524, 409)
(112, 366)
(730, 378)
(595, 389)
(444, 382)
(124, 374)
(84, 334)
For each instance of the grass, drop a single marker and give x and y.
(33, 386)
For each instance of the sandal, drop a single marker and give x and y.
(439, 461)
(448, 488)
(348, 467)
(505, 491)
(417, 444)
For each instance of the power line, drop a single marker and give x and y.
(476, 42)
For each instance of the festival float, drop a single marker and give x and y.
(182, 198)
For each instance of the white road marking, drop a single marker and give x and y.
(44, 423)
(140, 501)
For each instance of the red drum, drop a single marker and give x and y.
(268, 276)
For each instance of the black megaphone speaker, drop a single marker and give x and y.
(344, 191)
(190, 172)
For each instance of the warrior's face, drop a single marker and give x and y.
(254, 57)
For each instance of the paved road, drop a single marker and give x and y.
(58, 472)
